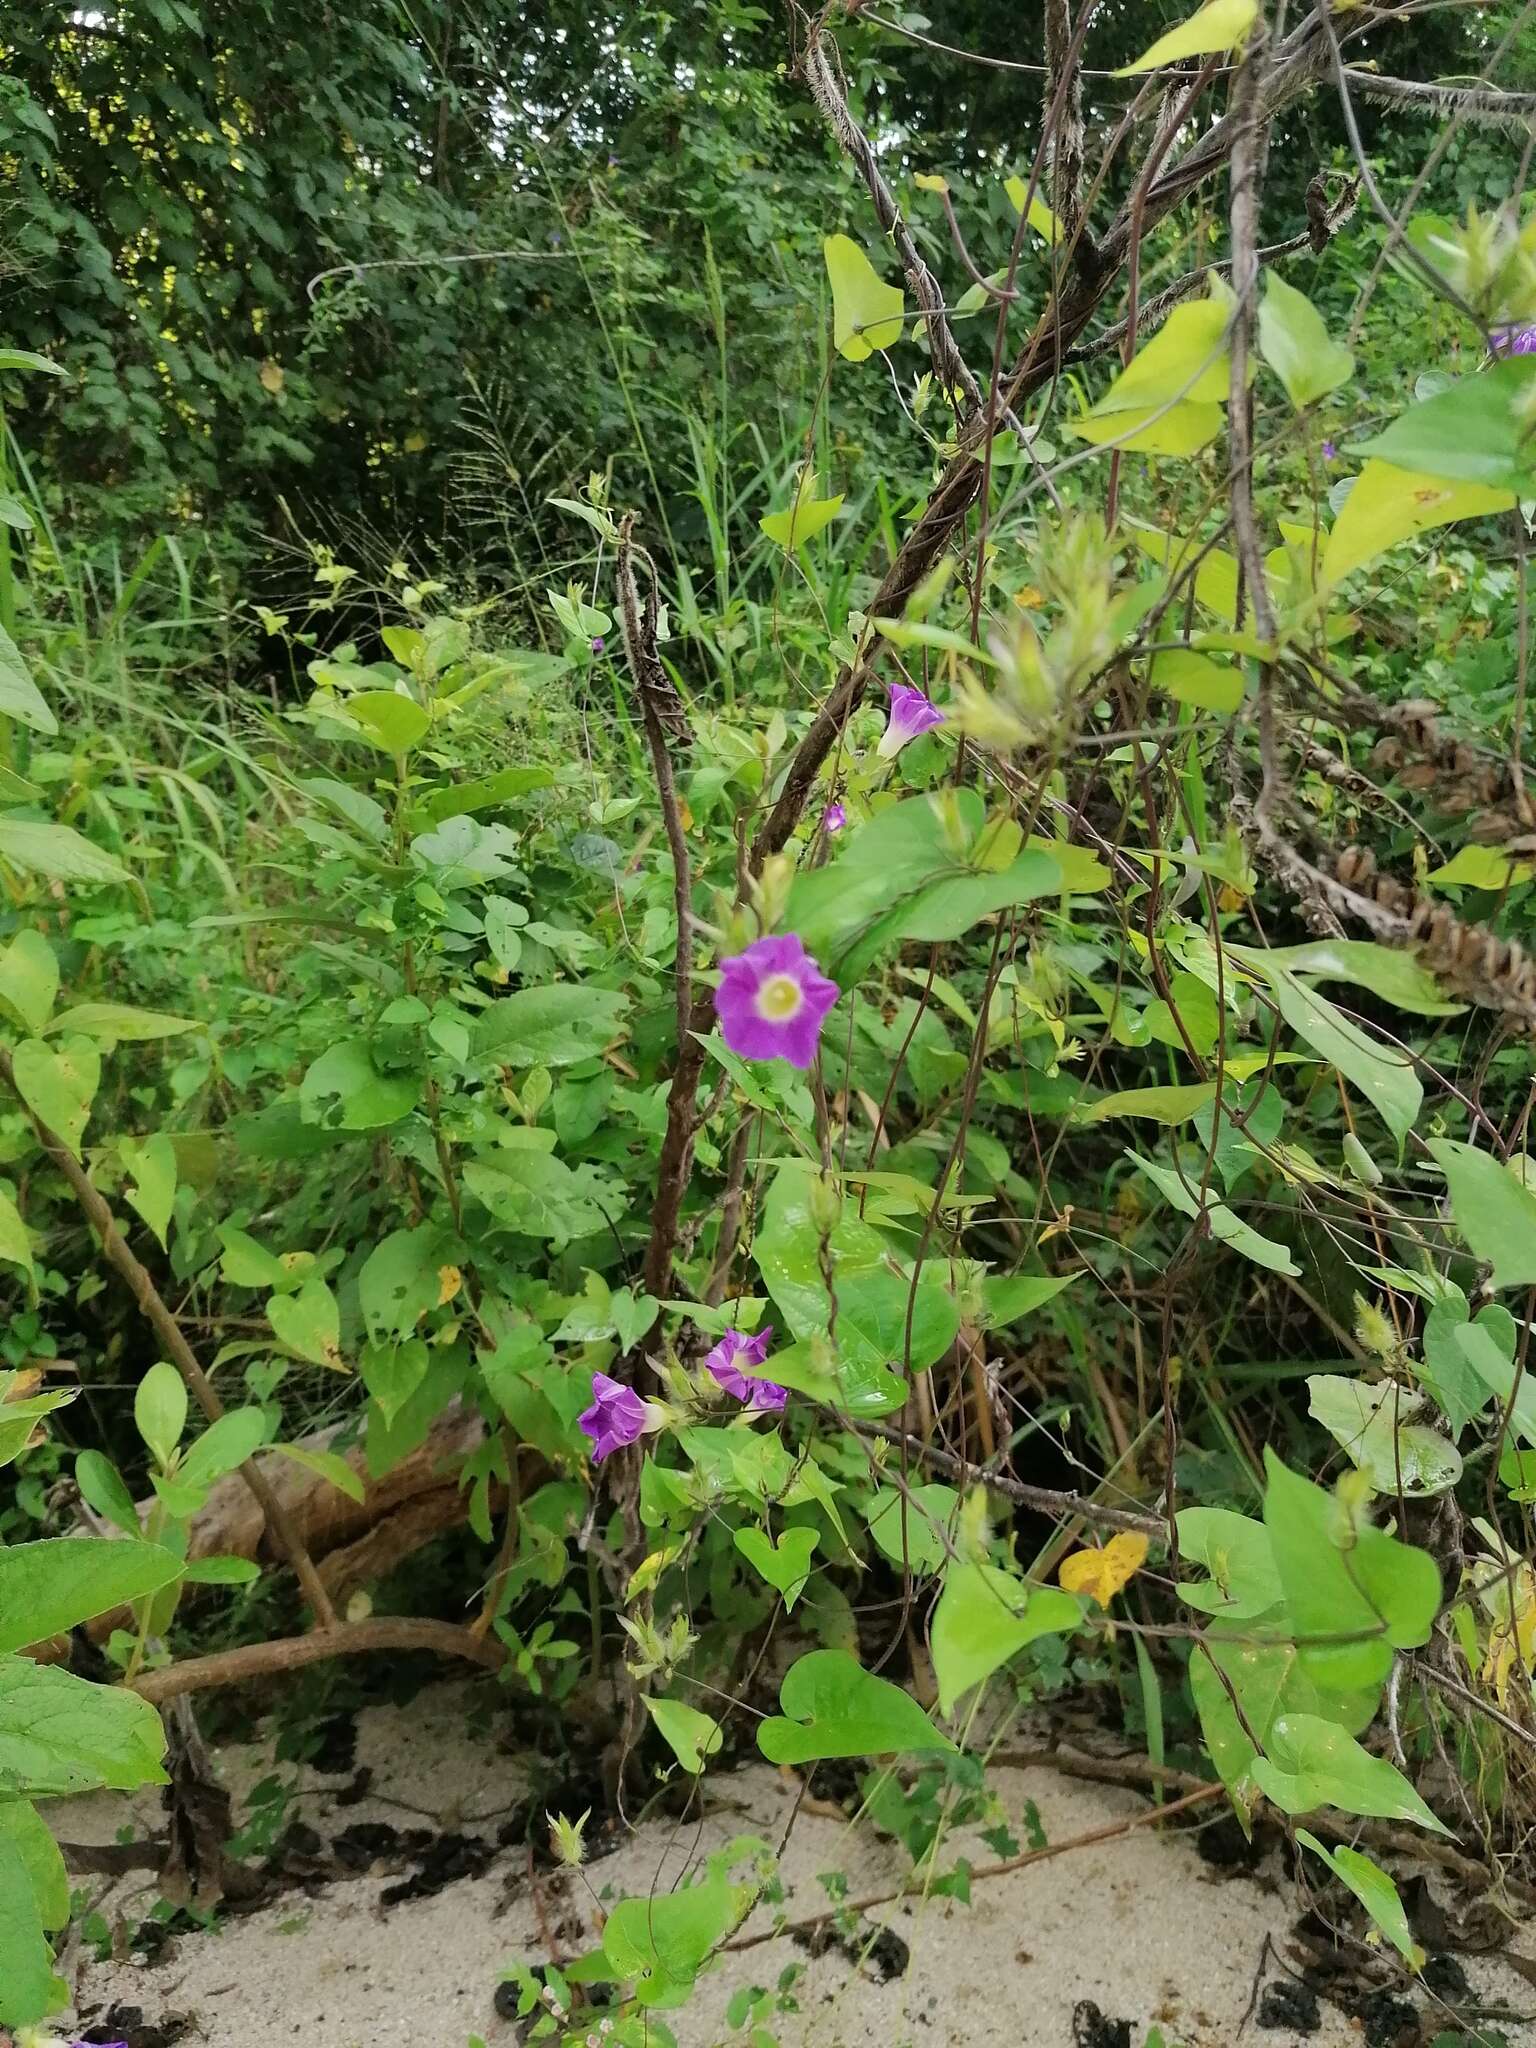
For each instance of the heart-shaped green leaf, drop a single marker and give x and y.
(833, 1707)
(984, 1617)
(786, 1564)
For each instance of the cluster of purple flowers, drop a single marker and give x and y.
(772, 1001)
(618, 1416)
(1514, 341)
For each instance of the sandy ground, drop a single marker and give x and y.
(1139, 1925)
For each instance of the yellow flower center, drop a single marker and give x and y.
(779, 998)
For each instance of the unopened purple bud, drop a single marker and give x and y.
(597, 643)
(1330, 451)
(834, 818)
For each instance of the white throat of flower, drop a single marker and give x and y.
(779, 998)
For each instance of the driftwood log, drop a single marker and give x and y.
(354, 1543)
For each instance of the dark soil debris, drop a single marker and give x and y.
(1289, 2007)
(881, 1955)
(1389, 2022)
(127, 2023)
(1090, 2028)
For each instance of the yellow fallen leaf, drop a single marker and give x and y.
(1101, 1574)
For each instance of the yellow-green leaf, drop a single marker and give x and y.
(804, 519)
(1297, 346)
(1219, 25)
(1191, 678)
(1182, 429)
(1387, 505)
(1037, 213)
(1480, 867)
(866, 313)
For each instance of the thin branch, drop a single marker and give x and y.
(293, 1653)
(1299, 63)
(1047, 1499)
(666, 724)
(141, 1286)
(826, 90)
(1004, 1868)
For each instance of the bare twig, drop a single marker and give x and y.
(666, 724)
(292, 1653)
(1047, 1499)
(954, 373)
(1003, 1868)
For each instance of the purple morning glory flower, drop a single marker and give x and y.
(1514, 341)
(617, 1417)
(1330, 451)
(911, 714)
(771, 1001)
(833, 818)
(731, 1354)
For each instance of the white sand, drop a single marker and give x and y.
(1139, 1924)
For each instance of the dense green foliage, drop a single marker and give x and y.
(1148, 1247)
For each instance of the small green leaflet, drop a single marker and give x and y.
(50, 1586)
(806, 516)
(15, 1245)
(1313, 1762)
(866, 313)
(151, 1190)
(20, 698)
(1296, 345)
(1225, 1224)
(57, 851)
(160, 1410)
(786, 1564)
(1375, 1891)
(121, 1023)
(309, 1323)
(1477, 432)
(1387, 504)
(29, 980)
(1375, 1428)
(1038, 214)
(1386, 1078)
(1190, 678)
(58, 1084)
(692, 1736)
(29, 1990)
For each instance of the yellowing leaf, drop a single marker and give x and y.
(271, 376)
(1387, 505)
(450, 1280)
(1480, 867)
(1038, 214)
(866, 313)
(1190, 678)
(1101, 1574)
(1154, 430)
(804, 519)
(1219, 25)
(1187, 359)
(929, 181)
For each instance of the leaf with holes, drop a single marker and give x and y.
(58, 1084)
